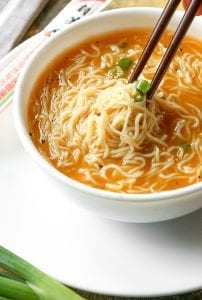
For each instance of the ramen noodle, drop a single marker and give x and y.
(95, 128)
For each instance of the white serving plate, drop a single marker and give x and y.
(140, 208)
(85, 251)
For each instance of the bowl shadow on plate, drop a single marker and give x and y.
(182, 232)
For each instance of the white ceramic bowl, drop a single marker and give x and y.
(124, 207)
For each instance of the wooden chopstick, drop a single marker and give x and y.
(154, 38)
(173, 46)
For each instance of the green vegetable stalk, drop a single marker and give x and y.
(30, 283)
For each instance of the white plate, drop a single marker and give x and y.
(83, 250)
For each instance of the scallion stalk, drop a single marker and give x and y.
(42, 285)
(13, 289)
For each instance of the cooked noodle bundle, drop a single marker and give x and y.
(99, 130)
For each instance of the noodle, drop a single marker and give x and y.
(84, 119)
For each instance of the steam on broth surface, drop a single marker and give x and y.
(90, 124)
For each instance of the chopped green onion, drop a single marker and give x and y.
(115, 73)
(39, 285)
(142, 86)
(124, 63)
(139, 98)
(122, 45)
(185, 146)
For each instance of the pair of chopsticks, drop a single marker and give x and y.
(182, 28)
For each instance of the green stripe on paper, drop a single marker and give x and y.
(3, 101)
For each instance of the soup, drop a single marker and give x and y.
(88, 122)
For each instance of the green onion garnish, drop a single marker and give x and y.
(122, 45)
(139, 98)
(115, 73)
(142, 86)
(124, 63)
(35, 285)
(185, 146)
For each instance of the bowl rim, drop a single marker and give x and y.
(31, 149)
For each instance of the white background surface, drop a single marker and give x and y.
(15, 18)
(83, 250)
